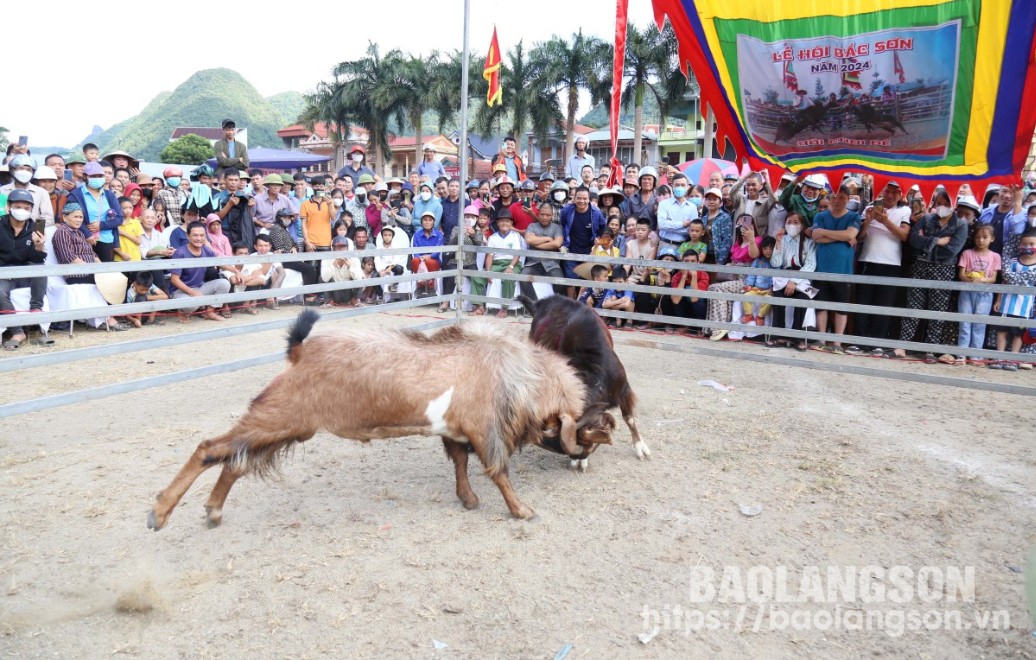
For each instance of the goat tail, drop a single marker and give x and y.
(298, 332)
(528, 303)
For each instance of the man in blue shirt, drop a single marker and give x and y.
(190, 282)
(579, 159)
(581, 224)
(834, 231)
(676, 213)
(430, 166)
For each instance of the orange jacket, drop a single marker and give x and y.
(499, 158)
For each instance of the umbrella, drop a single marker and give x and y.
(698, 171)
(279, 159)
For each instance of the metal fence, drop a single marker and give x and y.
(458, 297)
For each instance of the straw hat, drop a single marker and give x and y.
(113, 287)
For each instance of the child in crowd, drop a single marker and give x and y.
(978, 265)
(252, 278)
(759, 285)
(594, 295)
(618, 299)
(648, 303)
(129, 233)
(143, 289)
(604, 247)
(694, 241)
(1021, 271)
(337, 270)
(687, 307)
(640, 247)
(369, 295)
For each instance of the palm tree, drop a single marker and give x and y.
(413, 81)
(527, 104)
(565, 67)
(364, 92)
(650, 68)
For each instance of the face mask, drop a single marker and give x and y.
(679, 191)
(337, 201)
(425, 196)
(853, 205)
(943, 211)
(173, 182)
(21, 176)
(357, 158)
(560, 197)
(697, 201)
(1027, 250)
(793, 230)
(361, 195)
(21, 215)
(96, 183)
(810, 197)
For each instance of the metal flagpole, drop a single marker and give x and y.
(463, 150)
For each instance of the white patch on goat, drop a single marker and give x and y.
(580, 464)
(642, 450)
(436, 413)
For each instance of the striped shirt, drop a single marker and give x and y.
(1018, 304)
(69, 245)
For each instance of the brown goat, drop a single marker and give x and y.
(492, 394)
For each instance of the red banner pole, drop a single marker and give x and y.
(618, 66)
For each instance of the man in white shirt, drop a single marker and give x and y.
(886, 225)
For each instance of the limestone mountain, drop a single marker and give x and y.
(204, 99)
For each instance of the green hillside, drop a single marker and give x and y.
(289, 105)
(204, 99)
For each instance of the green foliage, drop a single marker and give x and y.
(187, 150)
(771, 96)
(3, 137)
(203, 100)
(289, 105)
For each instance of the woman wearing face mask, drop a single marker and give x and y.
(794, 252)
(425, 201)
(936, 241)
(101, 211)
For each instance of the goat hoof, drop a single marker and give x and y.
(471, 506)
(580, 464)
(152, 521)
(213, 517)
(642, 450)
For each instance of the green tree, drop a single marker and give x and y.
(412, 83)
(3, 138)
(650, 68)
(362, 93)
(771, 96)
(188, 150)
(527, 105)
(564, 67)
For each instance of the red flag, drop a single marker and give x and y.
(851, 79)
(898, 68)
(491, 72)
(618, 66)
(791, 81)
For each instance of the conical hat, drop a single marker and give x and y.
(112, 286)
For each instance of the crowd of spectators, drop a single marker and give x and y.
(98, 207)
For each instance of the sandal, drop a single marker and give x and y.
(442, 309)
(929, 358)
(946, 358)
(45, 340)
(837, 349)
(118, 327)
(13, 344)
(225, 313)
(959, 362)
(801, 347)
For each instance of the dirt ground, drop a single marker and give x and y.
(364, 550)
